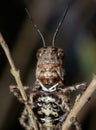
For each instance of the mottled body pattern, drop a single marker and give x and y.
(47, 102)
(48, 97)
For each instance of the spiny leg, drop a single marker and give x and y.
(16, 75)
(14, 89)
(16, 92)
(75, 121)
(25, 120)
(81, 86)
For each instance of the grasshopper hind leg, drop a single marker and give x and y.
(25, 120)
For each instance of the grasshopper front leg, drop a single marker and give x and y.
(70, 89)
(81, 86)
(14, 89)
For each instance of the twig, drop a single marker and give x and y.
(79, 105)
(16, 75)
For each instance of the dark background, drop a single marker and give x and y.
(77, 37)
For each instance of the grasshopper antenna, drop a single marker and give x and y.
(60, 23)
(35, 26)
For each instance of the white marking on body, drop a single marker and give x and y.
(51, 89)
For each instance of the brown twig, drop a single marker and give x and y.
(16, 75)
(79, 105)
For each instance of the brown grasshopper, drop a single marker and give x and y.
(47, 103)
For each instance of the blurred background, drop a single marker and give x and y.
(77, 37)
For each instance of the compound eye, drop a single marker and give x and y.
(60, 53)
(39, 54)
